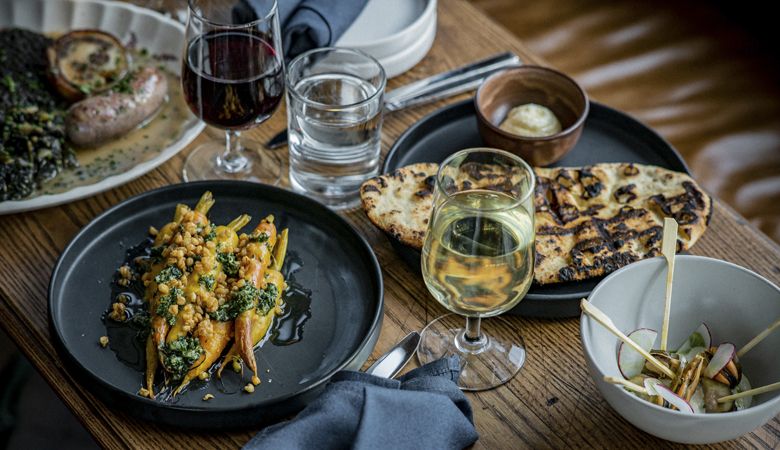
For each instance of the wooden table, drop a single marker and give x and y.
(552, 403)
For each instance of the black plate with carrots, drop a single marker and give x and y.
(331, 320)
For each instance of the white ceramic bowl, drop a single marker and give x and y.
(399, 63)
(736, 303)
(386, 28)
(397, 33)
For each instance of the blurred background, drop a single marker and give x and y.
(703, 74)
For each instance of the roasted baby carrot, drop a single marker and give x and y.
(213, 343)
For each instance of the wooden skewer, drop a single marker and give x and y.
(751, 392)
(668, 248)
(606, 322)
(756, 340)
(625, 383)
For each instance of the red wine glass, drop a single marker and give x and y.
(233, 79)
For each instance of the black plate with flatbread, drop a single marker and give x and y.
(330, 260)
(608, 136)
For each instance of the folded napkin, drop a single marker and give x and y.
(423, 409)
(306, 24)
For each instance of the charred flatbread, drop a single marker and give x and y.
(400, 202)
(590, 221)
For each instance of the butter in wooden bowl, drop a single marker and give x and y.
(531, 120)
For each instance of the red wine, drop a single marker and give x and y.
(232, 79)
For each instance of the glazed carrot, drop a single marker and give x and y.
(257, 258)
(226, 237)
(260, 326)
(212, 343)
(159, 326)
(260, 323)
(170, 228)
(153, 295)
(280, 251)
(267, 227)
(243, 324)
(207, 286)
(204, 204)
(151, 365)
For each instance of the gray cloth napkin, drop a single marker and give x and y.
(307, 24)
(423, 409)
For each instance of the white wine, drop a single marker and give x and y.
(478, 256)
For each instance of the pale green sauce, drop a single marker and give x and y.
(140, 145)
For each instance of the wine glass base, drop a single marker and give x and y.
(491, 365)
(204, 163)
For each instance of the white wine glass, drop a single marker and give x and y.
(478, 262)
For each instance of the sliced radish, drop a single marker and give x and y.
(692, 353)
(630, 362)
(650, 384)
(725, 353)
(697, 400)
(673, 399)
(743, 402)
(699, 338)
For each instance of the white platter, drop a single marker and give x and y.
(398, 33)
(153, 31)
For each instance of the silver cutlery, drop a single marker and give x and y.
(456, 81)
(389, 364)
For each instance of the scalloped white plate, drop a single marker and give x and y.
(153, 31)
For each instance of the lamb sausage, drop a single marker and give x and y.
(96, 120)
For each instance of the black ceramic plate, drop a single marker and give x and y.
(608, 136)
(330, 261)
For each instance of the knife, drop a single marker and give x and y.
(436, 87)
(389, 364)
(456, 81)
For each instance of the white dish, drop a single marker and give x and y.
(735, 303)
(399, 63)
(397, 33)
(153, 31)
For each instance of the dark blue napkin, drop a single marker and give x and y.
(423, 409)
(307, 24)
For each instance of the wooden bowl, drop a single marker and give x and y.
(531, 84)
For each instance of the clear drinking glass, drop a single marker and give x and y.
(233, 79)
(478, 261)
(334, 120)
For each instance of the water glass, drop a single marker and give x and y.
(334, 119)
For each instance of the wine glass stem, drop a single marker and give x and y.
(472, 328)
(471, 339)
(233, 159)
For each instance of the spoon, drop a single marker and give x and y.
(668, 248)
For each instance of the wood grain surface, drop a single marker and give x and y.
(552, 403)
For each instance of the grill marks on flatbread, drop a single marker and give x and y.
(590, 221)
(594, 220)
(400, 202)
